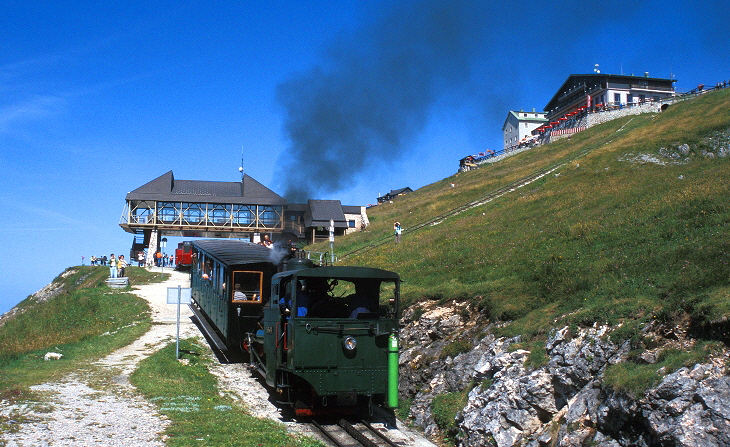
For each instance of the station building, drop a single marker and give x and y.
(247, 210)
(393, 194)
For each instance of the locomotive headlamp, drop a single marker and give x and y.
(349, 343)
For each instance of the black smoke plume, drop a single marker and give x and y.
(372, 94)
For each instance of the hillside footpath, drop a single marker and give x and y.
(99, 406)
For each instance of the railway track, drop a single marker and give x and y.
(361, 434)
(460, 209)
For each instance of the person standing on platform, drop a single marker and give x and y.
(112, 266)
(121, 266)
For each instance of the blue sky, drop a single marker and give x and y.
(98, 98)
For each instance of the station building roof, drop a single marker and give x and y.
(319, 213)
(166, 188)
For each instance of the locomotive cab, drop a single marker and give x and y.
(326, 336)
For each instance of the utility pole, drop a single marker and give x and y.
(332, 241)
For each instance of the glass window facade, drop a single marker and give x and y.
(206, 214)
(167, 212)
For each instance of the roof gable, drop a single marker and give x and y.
(320, 212)
(166, 189)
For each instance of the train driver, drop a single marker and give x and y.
(302, 299)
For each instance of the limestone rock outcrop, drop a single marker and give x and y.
(561, 402)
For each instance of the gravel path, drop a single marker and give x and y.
(79, 413)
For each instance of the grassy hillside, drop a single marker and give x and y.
(618, 232)
(76, 322)
(80, 317)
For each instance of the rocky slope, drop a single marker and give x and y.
(563, 401)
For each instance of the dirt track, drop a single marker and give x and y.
(81, 414)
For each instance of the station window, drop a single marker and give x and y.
(270, 216)
(167, 212)
(219, 214)
(243, 215)
(193, 212)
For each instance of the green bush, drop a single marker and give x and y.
(636, 378)
(455, 348)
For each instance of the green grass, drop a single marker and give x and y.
(455, 348)
(404, 408)
(607, 240)
(537, 356)
(444, 408)
(636, 378)
(188, 395)
(87, 320)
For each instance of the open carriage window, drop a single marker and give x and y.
(247, 286)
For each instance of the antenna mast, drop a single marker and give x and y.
(240, 168)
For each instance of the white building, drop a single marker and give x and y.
(519, 125)
(599, 90)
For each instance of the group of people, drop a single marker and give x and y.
(159, 260)
(101, 260)
(117, 266)
(164, 260)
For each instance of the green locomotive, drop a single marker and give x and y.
(323, 337)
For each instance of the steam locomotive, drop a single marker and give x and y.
(323, 337)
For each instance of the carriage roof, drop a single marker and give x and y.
(234, 252)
